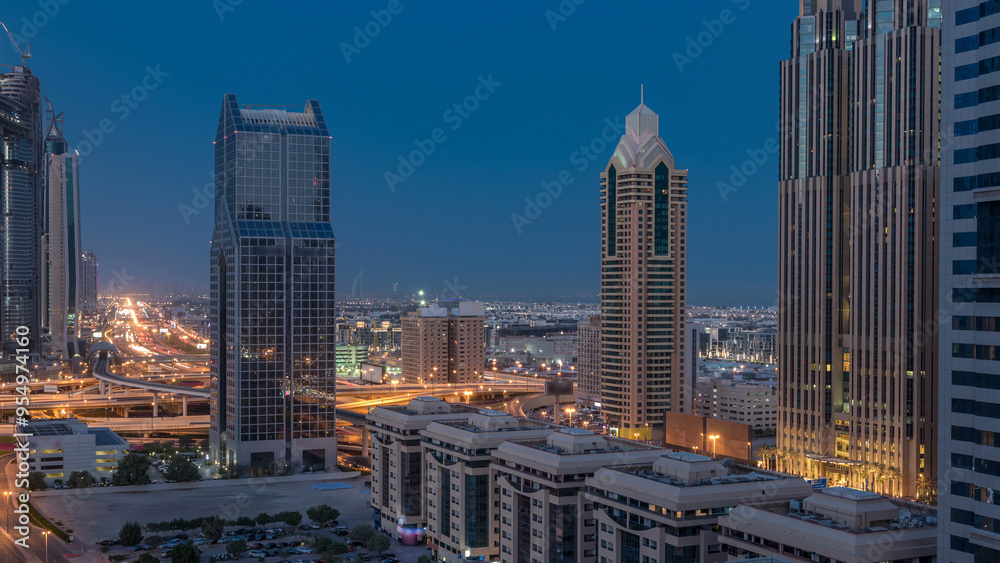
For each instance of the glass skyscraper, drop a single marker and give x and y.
(273, 313)
(969, 351)
(88, 282)
(21, 205)
(857, 274)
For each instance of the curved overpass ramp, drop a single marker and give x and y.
(102, 372)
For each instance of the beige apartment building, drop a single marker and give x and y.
(397, 463)
(667, 510)
(462, 507)
(442, 345)
(836, 525)
(643, 296)
(544, 517)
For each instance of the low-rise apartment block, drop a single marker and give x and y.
(835, 525)
(544, 517)
(668, 510)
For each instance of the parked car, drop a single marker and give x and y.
(255, 553)
(141, 547)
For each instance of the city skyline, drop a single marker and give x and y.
(175, 95)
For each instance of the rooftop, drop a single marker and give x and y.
(685, 469)
(576, 441)
(851, 511)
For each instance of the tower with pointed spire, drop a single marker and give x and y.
(643, 294)
(61, 251)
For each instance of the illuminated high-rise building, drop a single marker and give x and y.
(857, 274)
(643, 295)
(62, 256)
(273, 314)
(88, 282)
(21, 205)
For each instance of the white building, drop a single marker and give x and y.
(462, 507)
(836, 525)
(543, 514)
(58, 447)
(397, 463)
(667, 510)
(744, 401)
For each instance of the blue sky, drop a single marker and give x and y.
(557, 75)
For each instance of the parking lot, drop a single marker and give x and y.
(99, 517)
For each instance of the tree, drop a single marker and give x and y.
(322, 544)
(154, 447)
(765, 453)
(130, 534)
(292, 517)
(322, 513)
(264, 518)
(187, 553)
(237, 548)
(245, 521)
(36, 481)
(131, 470)
(337, 548)
(147, 558)
(185, 442)
(378, 544)
(212, 527)
(153, 541)
(925, 488)
(81, 480)
(182, 470)
(363, 533)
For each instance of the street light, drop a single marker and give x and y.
(571, 411)
(46, 534)
(467, 395)
(6, 494)
(713, 438)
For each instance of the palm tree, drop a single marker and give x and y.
(781, 456)
(795, 459)
(925, 488)
(894, 475)
(765, 453)
(879, 475)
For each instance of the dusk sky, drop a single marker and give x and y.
(544, 93)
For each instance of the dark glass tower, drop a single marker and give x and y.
(21, 205)
(272, 290)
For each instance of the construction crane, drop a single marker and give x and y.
(25, 54)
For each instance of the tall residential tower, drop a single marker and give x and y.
(273, 375)
(643, 257)
(969, 399)
(61, 262)
(857, 268)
